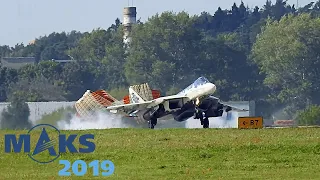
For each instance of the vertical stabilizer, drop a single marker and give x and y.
(140, 93)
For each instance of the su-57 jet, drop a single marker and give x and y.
(145, 105)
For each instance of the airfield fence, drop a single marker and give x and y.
(38, 109)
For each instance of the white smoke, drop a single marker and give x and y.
(216, 122)
(102, 120)
(106, 120)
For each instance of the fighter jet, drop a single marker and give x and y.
(145, 105)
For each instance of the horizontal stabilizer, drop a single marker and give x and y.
(155, 94)
(235, 108)
(226, 105)
(126, 99)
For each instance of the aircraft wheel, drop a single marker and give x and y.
(201, 119)
(205, 123)
(153, 121)
(198, 115)
(151, 125)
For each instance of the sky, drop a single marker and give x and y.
(24, 20)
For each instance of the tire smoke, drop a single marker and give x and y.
(101, 120)
(216, 122)
(106, 120)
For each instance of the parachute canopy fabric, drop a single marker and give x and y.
(91, 102)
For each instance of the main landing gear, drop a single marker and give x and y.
(203, 120)
(152, 122)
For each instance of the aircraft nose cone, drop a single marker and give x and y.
(212, 88)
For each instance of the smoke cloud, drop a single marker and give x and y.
(102, 120)
(216, 122)
(106, 120)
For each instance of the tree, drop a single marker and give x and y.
(309, 116)
(54, 46)
(224, 62)
(169, 38)
(267, 9)
(7, 76)
(288, 52)
(39, 89)
(5, 51)
(279, 9)
(91, 46)
(113, 75)
(218, 20)
(170, 50)
(79, 76)
(16, 116)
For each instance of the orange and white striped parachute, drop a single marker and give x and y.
(91, 102)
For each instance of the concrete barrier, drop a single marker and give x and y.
(38, 109)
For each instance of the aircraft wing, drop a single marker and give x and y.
(130, 107)
(143, 105)
(228, 105)
(234, 108)
(173, 97)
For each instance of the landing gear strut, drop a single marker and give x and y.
(152, 122)
(203, 120)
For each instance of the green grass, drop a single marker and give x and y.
(292, 153)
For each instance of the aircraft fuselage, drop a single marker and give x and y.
(197, 95)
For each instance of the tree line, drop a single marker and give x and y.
(267, 54)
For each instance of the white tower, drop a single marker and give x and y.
(129, 18)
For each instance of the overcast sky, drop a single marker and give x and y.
(25, 20)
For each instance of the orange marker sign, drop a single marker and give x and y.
(250, 122)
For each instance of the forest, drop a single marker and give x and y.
(269, 54)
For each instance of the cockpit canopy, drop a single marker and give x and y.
(200, 81)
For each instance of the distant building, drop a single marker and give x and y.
(32, 42)
(284, 123)
(63, 60)
(17, 62)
